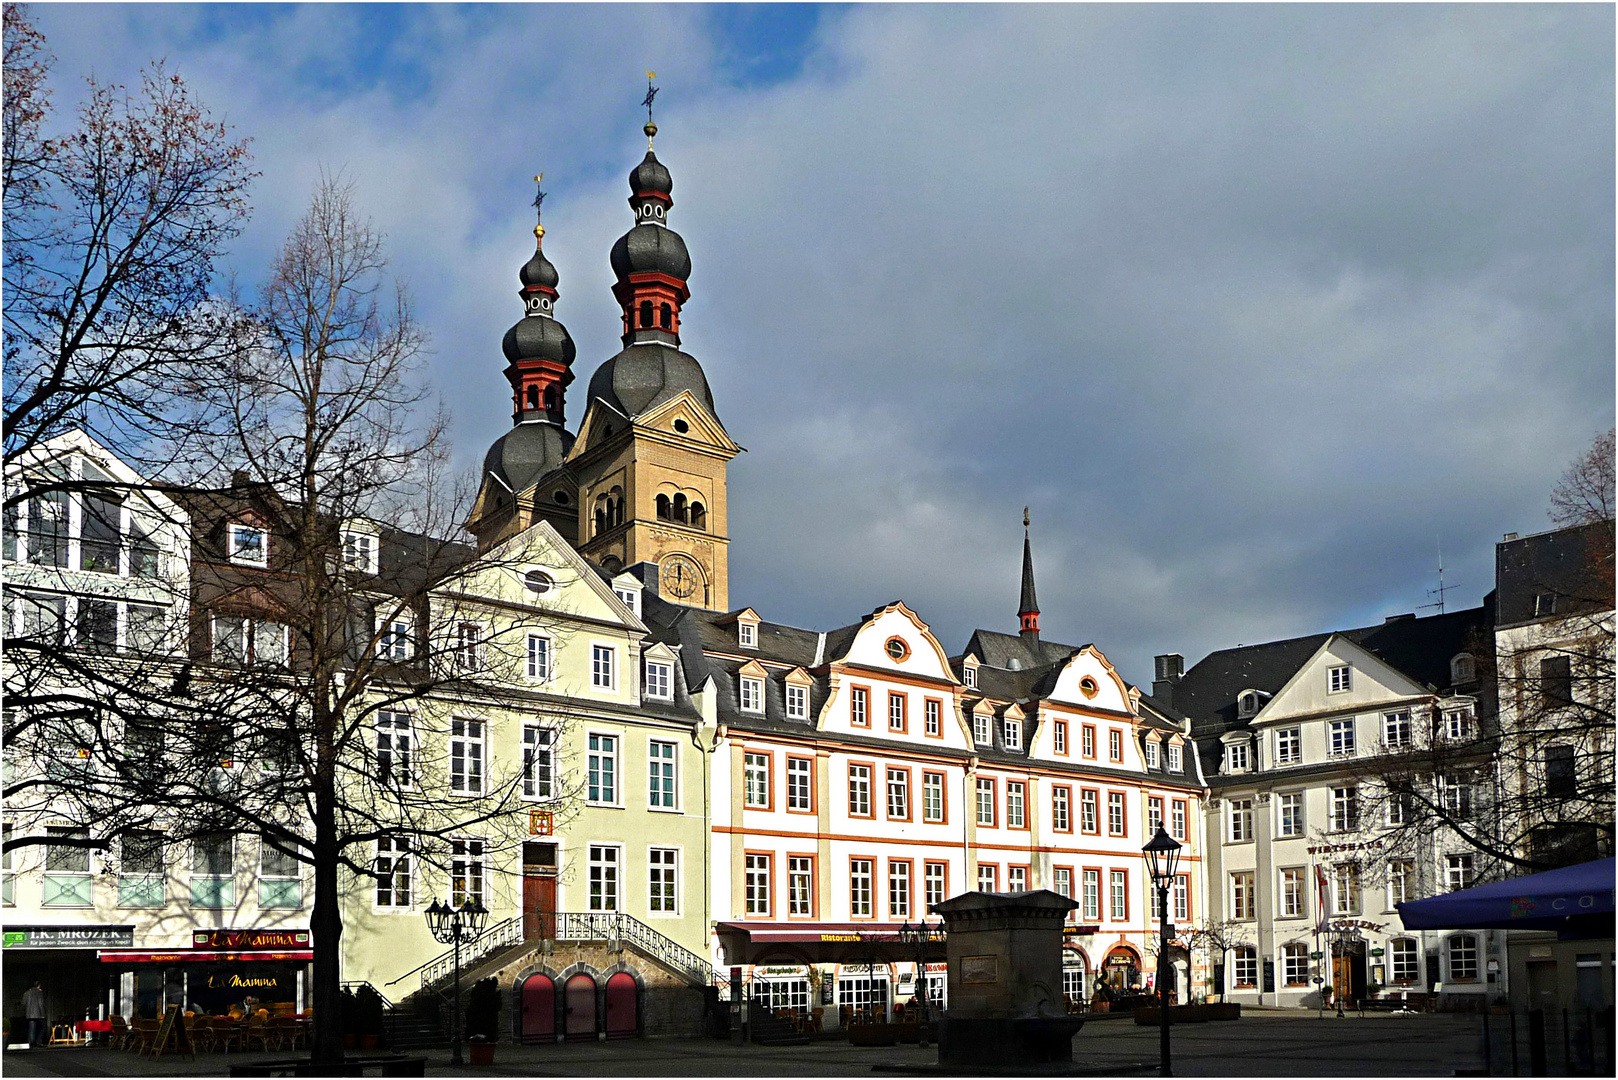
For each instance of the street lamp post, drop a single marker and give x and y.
(1162, 856)
(452, 925)
(919, 937)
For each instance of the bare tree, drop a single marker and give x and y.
(1585, 492)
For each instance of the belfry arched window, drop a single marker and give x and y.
(533, 397)
(679, 508)
(663, 512)
(665, 317)
(699, 516)
(646, 314)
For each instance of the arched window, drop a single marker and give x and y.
(663, 513)
(665, 317)
(1462, 669)
(601, 516)
(615, 506)
(699, 516)
(679, 508)
(646, 314)
(533, 397)
(553, 399)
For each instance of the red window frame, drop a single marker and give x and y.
(769, 880)
(1185, 815)
(926, 864)
(769, 779)
(1101, 892)
(1059, 743)
(1095, 794)
(887, 890)
(1087, 743)
(1124, 871)
(933, 709)
(814, 883)
(900, 698)
(994, 803)
(859, 693)
(910, 793)
(1068, 790)
(873, 863)
(814, 795)
(943, 802)
(1123, 807)
(994, 868)
(870, 782)
(1115, 745)
(1025, 815)
(1027, 873)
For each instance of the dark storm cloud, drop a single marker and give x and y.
(1253, 306)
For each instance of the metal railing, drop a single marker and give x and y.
(501, 935)
(615, 926)
(355, 984)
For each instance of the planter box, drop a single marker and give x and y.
(482, 1053)
(1148, 1016)
(873, 1034)
(1228, 1010)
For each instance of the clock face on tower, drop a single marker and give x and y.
(679, 577)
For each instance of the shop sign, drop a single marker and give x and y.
(249, 940)
(237, 981)
(839, 937)
(937, 967)
(1345, 925)
(70, 937)
(779, 971)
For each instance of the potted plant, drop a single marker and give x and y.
(369, 1011)
(483, 1020)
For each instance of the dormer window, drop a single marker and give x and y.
(1151, 753)
(969, 674)
(1237, 758)
(1013, 734)
(797, 702)
(630, 597)
(980, 729)
(1462, 669)
(752, 695)
(248, 545)
(359, 552)
(1337, 679)
(1174, 758)
(659, 680)
(747, 635)
(1247, 705)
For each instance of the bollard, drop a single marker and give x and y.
(1536, 1042)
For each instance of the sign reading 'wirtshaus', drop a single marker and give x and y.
(240, 940)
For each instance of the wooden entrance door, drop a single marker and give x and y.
(581, 1007)
(622, 1011)
(538, 1009)
(538, 891)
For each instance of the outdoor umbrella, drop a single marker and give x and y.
(1576, 900)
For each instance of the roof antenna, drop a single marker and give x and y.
(1442, 588)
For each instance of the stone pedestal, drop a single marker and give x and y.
(1006, 1011)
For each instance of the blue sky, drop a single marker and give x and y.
(1253, 305)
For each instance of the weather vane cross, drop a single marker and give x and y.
(651, 94)
(539, 194)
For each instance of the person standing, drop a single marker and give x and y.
(33, 1007)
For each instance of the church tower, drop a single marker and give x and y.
(539, 354)
(651, 454)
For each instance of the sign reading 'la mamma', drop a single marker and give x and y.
(248, 940)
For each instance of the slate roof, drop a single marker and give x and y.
(1574, 564)
(999, 650)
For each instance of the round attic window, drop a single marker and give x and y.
(896, 648)
(538, 582)
(681, 426)
(561, 498)
(1088, 687)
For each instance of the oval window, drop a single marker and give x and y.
(896, 648)
(1088, 687)
(561, 498)
(681, 426)
(538, 582)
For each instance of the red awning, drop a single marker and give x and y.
(778, 931)
(186, 956)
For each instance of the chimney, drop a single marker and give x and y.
(1510, 536)
(240, 478)
(1167, 671)
(1406, 616)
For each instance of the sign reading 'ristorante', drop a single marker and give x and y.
(250, 940)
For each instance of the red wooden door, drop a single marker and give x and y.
(538, 906)
(538, 1008)
(622, 1015)
(581, 1006)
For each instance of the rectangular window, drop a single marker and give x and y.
(1236, 759)
(1290, 811)
(752, 695)
(1295, 964)
(280, 883)
(603, 770)
(1092, 895)
(1013, 732)
(756, 780)
(859, 791)
(1182, 898)
(1062, 881)
(1396, 730)
(934, 713)
(1115, 744)
(988, 877)
(800, 783)
(1346, 888)
(1561, 771)
(1241, 820)
(800, 885)
(1458, 724)
(392, 871)
(659, 680)
(1345, 809)
(246, 544)
(539, 658)
(898, 888)
(898, 794)
(147, 633)
(1059, 736)
(986, 801)
(1241, 895)
(932, 796)
(1088, 819)
(1120, 895)
(1458, 872)
(213, 871)
(359, 552)
(1151, 754)
(1463, 958)
(797, 702)
(1294, 904)
(466, 646)
(1288, 746)
(1174, 758)
(1016, 815)
(859, 706)
(1154, 814)
(1401, 881)
(859, 888)
(896, 711)
(466, 756)
(1401, 802)
(937, 877)
(660, 792)
(396, 637)
(1116, 823)
(758, 884)
(140, 869)
(538, 761)
(970, 674)
(1457, 794)
(747, 635)
(663, 880)
(1337, 679)
(1016, 879)
(1246, 967)
(1177, 818)
(603, 667)
(1406, 961)
(981, 734)
(466, 871)
(1556, 681)
(1342, 737)
(603, 882)
(395, 745)
(1061, 797)
(1087, 740)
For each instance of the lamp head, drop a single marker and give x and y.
(1162, 856)
(475, 916)
(436, 914)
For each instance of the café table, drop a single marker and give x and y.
(97, 1030)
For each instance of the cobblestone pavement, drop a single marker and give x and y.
(1260, 1044)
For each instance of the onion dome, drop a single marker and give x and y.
(538, 338)
(538, 271)
(651, 249)
(527, 452)
(651, 178)
(647, 374)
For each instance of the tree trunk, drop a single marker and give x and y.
(326, 921)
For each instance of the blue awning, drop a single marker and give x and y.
(1572, 898)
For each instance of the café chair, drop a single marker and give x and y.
(119, 1035)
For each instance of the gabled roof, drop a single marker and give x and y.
(999, 650)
